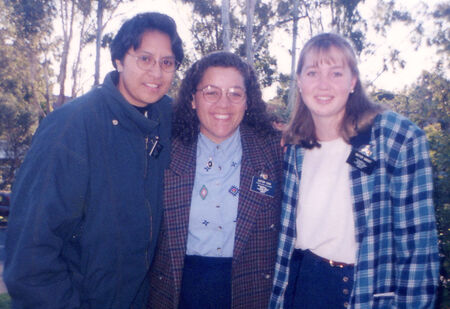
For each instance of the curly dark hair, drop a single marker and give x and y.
(186, 125)
(130, 35)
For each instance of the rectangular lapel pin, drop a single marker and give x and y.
(262, 185)
(361, 161)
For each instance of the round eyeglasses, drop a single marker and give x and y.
(147, 61)
(212, 94)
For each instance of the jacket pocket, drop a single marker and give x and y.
(383, 300)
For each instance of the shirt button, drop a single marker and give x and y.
(115, 122)
(345, 291)
(346, 304)
(267, 276)
(345, 279)
(218, 206)
(220, 227)
(160, 277)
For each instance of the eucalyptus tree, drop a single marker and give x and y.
(66, 11)
(30, 25)
(21, 95)
(71, 15)
(86, 35)
(226, 24)
(17, 122)
(104, 12)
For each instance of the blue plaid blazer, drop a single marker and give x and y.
(397, 259)
(257, 225)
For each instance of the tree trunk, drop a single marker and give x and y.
(76, 65)
(226, 24)
(33, 61)
(250, 11)
(98, 41)
(67, 18)
(292, 95)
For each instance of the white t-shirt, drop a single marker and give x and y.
(325, 220)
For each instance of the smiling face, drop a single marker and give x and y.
(219, 120)
(325, 82)
(140, 87)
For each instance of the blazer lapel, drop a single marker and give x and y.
(255, 160)
(178, 184)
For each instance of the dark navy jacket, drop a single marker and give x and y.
(86, 205)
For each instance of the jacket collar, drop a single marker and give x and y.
(251, 144)
(362, 138)
(184, 160)
(122, 109)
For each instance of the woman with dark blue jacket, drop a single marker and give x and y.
(86, 205)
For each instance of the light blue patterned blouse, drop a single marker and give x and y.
(215, 196)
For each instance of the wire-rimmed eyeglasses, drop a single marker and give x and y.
(147, 61)
(212, 94)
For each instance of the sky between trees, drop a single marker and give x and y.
(399, 36)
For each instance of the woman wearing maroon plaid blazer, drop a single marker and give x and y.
(222, 193)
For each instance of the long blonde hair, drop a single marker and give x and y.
(359, 111)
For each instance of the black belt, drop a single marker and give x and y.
(329, 262)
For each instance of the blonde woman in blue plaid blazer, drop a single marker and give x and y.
(387, 256)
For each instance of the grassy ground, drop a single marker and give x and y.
(5, 301)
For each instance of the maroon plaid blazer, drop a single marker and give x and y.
(257, 226)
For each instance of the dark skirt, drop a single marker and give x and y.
(315, 283)
(206, 283)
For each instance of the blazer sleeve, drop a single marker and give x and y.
(47, 204)
(415, 237)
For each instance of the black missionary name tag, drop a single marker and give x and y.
(361, 161)
(263, 186)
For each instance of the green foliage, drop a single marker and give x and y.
(5, 301)
(23, 49)
(425, 102)
(347, 20)
(206, 26)
(440, 157)
(21, 89)
(31, 18)
(440, 38)
(207, 33)
(16, 128)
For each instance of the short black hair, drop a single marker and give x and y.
(130, 34)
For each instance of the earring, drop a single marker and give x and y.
(351, 91)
